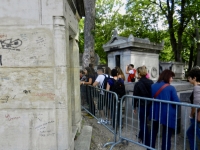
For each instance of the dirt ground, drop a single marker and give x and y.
(101, 135)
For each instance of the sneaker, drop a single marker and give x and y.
(104, 121)
(99, 121)
(109, 122)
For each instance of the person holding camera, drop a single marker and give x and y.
(131, 72)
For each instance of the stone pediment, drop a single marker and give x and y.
(118, 42)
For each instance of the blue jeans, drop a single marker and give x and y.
(191, 134)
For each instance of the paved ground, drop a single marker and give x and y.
(101, 135)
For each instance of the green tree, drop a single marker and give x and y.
(107, 19)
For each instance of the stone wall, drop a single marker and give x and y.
(127, 57)
(38, 75)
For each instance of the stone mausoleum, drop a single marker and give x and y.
(123, 51)
(39, 72)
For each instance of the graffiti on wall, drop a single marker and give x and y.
(11, 44)
(1, 60)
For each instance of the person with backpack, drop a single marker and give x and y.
(101, 81)
(116, 85)
(131, 72)
(142, 88)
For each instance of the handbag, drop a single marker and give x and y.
(133, 80)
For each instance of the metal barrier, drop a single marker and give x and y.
(103, 105)
(131, 125)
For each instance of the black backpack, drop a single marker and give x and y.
(105, 81)
(118, 88)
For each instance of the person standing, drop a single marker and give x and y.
(194, 78)
(116, 85)
(142, 88)
(164, 113)
(131, 72)
(82, 75)
(120, 73)
(101, 98)
(89, 90)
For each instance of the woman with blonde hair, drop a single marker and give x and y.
(142, 88)
(120, 73)
(148, 75)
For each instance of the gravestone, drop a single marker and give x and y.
(165, 65)
(176, 67)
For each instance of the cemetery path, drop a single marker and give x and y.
(101, 135)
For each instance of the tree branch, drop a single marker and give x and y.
(162, 9)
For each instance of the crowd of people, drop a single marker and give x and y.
(159, 113)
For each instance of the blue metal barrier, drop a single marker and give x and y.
(123, 129)
(96, 101)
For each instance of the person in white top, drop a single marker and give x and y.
(101, 101)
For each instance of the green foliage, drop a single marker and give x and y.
(107, 19)
(81, 36)
(146, 19)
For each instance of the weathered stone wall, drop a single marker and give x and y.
(38, 75)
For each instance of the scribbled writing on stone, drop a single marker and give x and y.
(1, 60)
(11, 44)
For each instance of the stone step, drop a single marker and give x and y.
(84, 139)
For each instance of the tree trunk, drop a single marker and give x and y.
(179, 45)
(172, 34)
(198, 46)
(88, 55)
(191, 56)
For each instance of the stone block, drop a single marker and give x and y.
(20, 12)
(34, 128)
(51, 8)
(84, 139)
(26, 47)
(27, 88)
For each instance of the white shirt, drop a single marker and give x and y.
(131, 71)
(100, 78)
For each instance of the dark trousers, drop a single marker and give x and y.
(144, 133)
(166, 138)
(113, 113)
(90, 97)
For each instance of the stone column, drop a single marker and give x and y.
(75, 83)
(61, 82)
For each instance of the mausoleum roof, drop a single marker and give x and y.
(77, 5)
(118, 42)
